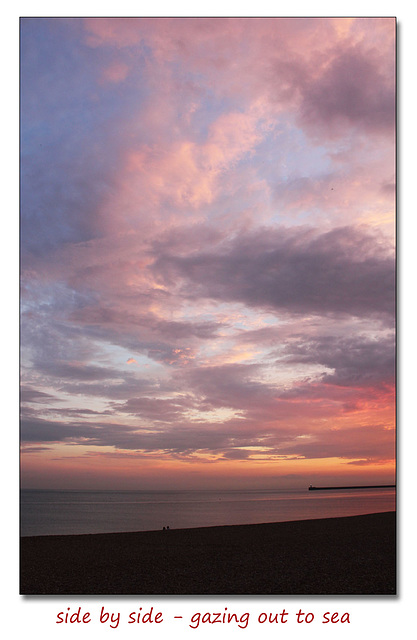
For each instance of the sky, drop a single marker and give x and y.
(207, 252)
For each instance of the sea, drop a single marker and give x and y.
(85, 512)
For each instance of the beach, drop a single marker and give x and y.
(353, 555)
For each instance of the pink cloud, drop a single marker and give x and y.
(115, 73)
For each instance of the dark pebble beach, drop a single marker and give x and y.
(334, 556)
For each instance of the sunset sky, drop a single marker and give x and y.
(207, 252)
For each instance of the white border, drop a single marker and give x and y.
(384, 616)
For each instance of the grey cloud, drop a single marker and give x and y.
(117, 390)
(29, 449)
(181, 330)
(80, 372)
(29, 394)
(40, 430)
(343, 271)
(155, 409)
(353, 89)
(230, 385)
(356, 360)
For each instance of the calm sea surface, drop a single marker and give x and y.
(76, 512)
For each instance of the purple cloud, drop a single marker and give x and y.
(343, 271)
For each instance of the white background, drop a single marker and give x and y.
(383, 617)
